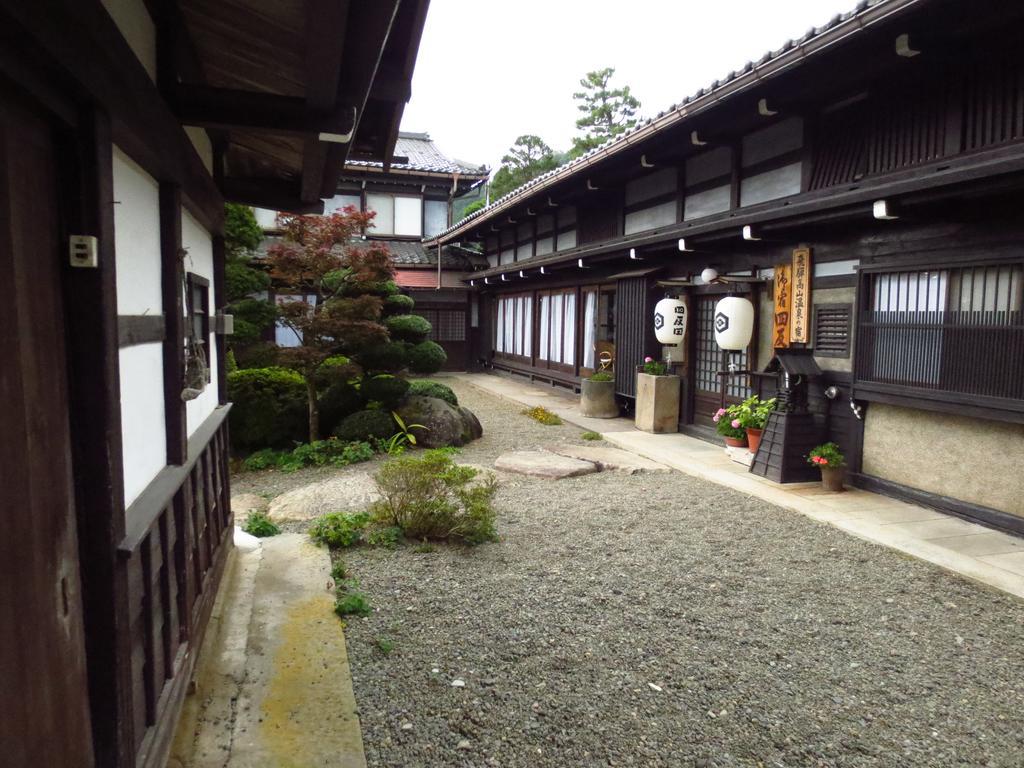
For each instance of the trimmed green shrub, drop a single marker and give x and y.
(425, 388)
(427, 357)
(336, 369)
(269, 408)
(337, 453)
(431, 497)
(259, 525)
(411, 328)
(399, 304)
(385, 389)
(366, 425)
(338, 401)
(339, 530)
(384, 357)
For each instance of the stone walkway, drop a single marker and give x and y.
(971, 550)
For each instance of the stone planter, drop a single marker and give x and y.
(832, 479)
(657, 403)
(597, 399)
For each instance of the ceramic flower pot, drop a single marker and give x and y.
(597, 399)
(832, 479)
(736, 442)
(753, 439)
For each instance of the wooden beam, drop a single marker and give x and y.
(171, 277)
(95, 407)
(139, 329)
(211, 107)
(272, 194)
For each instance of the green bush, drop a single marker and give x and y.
(431, 497)
(386, 538)
(265, 458)
(338, 572)
(262, 354)
(338, 401)
(602, 376)
(425, 388)
(426, 357)
(337, 453)
(385, 389)
(411, 328)
(384, 357)
(339, 530)
(399, 304)
(337, 369)
(366, 425)
(269, 408)
(259, 525)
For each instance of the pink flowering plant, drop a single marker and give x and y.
(826, 455)
(654, 367)
(728, 423)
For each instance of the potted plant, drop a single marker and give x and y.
(729, 426)
(753, 414)
(657, 397)
(597, 396)
(830, 460)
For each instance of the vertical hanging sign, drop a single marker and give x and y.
(783, 305)
(801, 289)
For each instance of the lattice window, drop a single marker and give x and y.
(710, 359)
(832, 330)
(445, 324)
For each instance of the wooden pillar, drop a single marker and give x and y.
(220, 302)
(95, 406)
(171, 278)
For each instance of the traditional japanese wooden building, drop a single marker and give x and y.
(414, 198)
(861, 185)
(124, 125)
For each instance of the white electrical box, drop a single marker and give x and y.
(83, 251)
(224, 324)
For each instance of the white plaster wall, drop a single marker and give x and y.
(201, 141)
(136, 238)
(137, 260)
(197, 241)
(137, 27)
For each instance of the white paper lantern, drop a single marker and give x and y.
(734, 323)
(670, 321)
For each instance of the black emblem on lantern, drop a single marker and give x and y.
(659, 321)
(721, 322)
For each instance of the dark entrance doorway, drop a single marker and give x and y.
(704, 383)
(44, 712)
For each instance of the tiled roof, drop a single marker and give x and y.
(751, 71)
(423, 155)
(411, 253)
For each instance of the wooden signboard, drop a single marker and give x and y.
(800, 313)
(783, 305)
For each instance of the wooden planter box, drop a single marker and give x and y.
(657, 403)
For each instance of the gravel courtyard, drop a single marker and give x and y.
(659, 620)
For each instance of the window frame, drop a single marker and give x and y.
(197, 283)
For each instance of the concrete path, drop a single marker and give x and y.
(969, 549)
(273, 689)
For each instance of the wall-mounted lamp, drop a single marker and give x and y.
(504, 278)
(832, 392)
(487, 281)
(521, 273)
(696, 140)
(472, 282)
(709, 275)
(763, 109)
(634, 256)
(581, 265)
(543, 270)
(884, 209)
(749, 233)
(903, 47)
(682, 245)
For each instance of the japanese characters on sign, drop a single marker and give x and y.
(783, 305)
(801, 295)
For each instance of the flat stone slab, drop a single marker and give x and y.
(243, 504)
(609, 459)
(544, 464)
(351, 492)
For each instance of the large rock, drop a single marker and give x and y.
(353, 491)
(244, 504)
(609, 459)
(443, 424)
(543, 464)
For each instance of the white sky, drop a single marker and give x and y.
(490, 70)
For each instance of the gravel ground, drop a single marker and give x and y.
(661, 620)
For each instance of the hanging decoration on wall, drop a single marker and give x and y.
(670, 321)
(783, 305)
(734, 323)
(801, 303)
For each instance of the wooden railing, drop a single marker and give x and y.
(178, 537)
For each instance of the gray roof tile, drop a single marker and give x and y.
(423, 155)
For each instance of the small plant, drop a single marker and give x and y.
(337, 453)
(385, 646)
(404, 437)
(728, 424)
(259, 525)
(352, 603)
(602, 376)
(386, 538)
(543, 415)
(339, 530)
(753, 412)
(424, 548)
(654, 367)
(431, 497)
(826, 455)
(266, 458)
(592, 436)
(338, 572)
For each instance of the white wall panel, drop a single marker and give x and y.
(566, 240)
(436, 217)
(771, 185)
(706, 203)
(409, 216)
(136, 238)
(143, 426)
(384, 206)
(649, 218)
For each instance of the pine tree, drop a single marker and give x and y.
(607, 111)
(526, 159)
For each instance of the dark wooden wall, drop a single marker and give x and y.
(633, 332)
